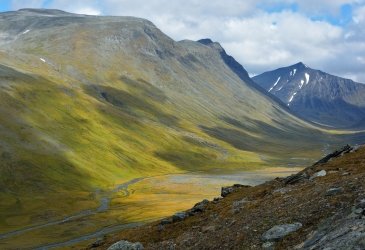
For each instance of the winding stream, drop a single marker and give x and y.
(103, 207)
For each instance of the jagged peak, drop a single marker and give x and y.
(300, 65)
(205, 41)
(210, 43)
(230, 61)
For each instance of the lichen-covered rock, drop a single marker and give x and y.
(280, 231)
(208, 229)
(200, 207)
(126, 245)
(334, 191)
(238, 205)
(227, 190)
(346, 149)
(347, 232)
(98, 242)
(319, 174)
(361, 204)
(268, 245)
(295, 178)
(179, 216)
(166, 221)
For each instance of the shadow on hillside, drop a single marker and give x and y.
(278, 139)
(141, 102)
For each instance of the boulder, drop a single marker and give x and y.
(238, 205)
(166, 221)
(216, 200)
(227, 190)
(341, 231)
(278, 232)
(361, 204)
(319, 174)
(283, 190)
(355, 148)
(346, 149)
(126, 245)
(208, 229)
(334, 191)
(179, 216)
(200, 207)
(295, 178)
(268, 245)
(98, 242)
(359, 211)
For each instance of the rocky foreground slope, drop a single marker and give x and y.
(321, 207)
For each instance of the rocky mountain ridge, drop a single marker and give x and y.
(316, 95)
(239, 70)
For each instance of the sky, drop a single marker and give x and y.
(261, 34)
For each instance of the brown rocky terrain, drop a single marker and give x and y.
(321, 207)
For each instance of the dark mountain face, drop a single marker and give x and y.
(235, 66)
(316, 95)
(239, 70)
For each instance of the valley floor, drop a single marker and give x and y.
(324, 205)
(137, 201)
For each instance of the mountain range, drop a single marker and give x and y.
(89, 102)
(317, 96)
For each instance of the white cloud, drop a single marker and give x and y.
(87, 11)
(359, 15)
(186, 8)
(19, 4)
(279, 39)
(315, 7)
(88, 7)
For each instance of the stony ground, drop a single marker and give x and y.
(323, 206)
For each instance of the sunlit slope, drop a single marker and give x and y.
(90, 102)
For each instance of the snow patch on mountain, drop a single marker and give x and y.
(291, 98)
(307, 77)
(275, 84)
(301, 84)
